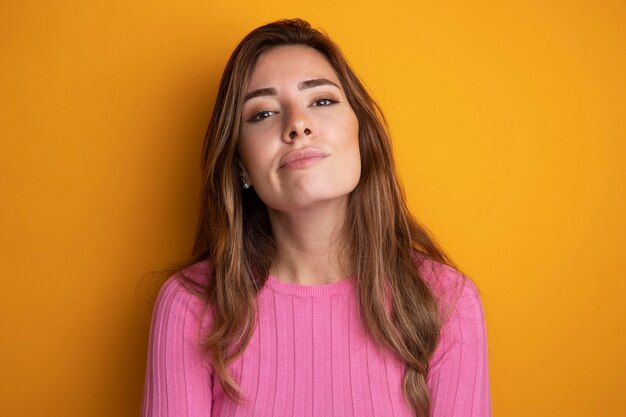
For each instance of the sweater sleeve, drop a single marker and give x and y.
(178, 379)
(458, 379)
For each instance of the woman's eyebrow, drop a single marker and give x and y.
(315, 83)
(301, 86)
(260, 92)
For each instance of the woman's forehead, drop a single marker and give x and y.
(290, 65)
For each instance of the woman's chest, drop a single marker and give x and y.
(313, 357)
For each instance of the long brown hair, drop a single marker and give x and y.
(381, 236)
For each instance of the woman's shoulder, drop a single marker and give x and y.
(451, 288)
(182, 294)
(194, 278)
(198, 272)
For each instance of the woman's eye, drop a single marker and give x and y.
(322, 102)
(261, 115)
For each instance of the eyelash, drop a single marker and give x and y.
(256, 117)
(330, 100)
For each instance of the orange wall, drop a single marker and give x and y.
(509, 121)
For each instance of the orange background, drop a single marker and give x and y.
(509, 122)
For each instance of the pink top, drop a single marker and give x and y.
(310, 355)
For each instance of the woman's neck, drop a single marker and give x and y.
(308, 244)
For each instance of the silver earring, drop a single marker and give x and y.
(245, 183)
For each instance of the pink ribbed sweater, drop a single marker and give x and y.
(310, 355)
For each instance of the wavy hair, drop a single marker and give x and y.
(381, 237)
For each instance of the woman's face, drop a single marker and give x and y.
(295, 102)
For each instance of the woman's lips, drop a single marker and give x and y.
(302, 157)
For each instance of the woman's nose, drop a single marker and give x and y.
(298, 125)
(293, 134)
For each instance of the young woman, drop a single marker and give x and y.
(311, 291)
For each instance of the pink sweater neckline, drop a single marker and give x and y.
(340, 286)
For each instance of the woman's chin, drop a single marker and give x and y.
(302, 202)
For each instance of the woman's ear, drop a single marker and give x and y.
(243, 172)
